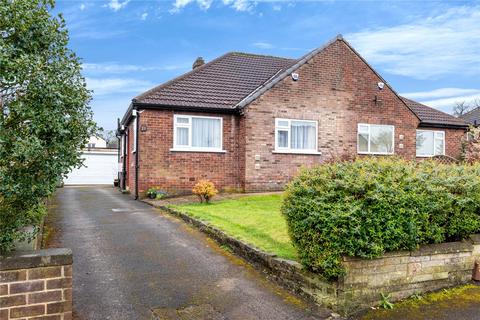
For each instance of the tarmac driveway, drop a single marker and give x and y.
(130, 258)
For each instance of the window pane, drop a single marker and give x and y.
(206, 133)
(424, 143)
(438, 147)
(182, 120)
(363, 142)
(182, 136)
(282, 137)
(302, 135)
(282, 123)
(381, 139)
(362, 128)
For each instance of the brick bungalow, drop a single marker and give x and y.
(248, 122)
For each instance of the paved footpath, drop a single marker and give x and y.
(130, 258)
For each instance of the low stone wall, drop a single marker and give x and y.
(36, 285)
(399, 274)
(404, 273)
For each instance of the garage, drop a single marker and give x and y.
(99, 167)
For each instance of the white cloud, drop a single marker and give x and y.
(444, 98)
(116, 86)
(180, 4)
(82, 7)
(263, 45)
(116, 5)
(144, 16)
(441, 93)
(115, 68)
(277, 7)
(427, 48)
(447, 104)
(240, 5)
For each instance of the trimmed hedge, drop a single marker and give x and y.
(368, 207)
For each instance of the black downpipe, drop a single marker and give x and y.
(137, 150)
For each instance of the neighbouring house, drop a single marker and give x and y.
(472, 117)
(100, 164)
(249, 122)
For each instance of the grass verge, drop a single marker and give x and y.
(255, 220)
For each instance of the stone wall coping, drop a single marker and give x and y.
(441, 248)
(428, 249)
(36, 259)
(475, 238)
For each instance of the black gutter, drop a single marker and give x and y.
(144, 106)
(137, 150)
(443, 125)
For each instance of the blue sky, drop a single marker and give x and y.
(427, 50)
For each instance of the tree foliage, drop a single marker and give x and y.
(368, 207)
(44, 112)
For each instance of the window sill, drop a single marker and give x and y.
(198, 150)
(317, 153)
(376, 153)
(424, 156)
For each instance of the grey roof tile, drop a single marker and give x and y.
(432, 116)
(219, 84)
(472, 117)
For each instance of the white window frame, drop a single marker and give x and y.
(189, 126)
(288, 149)
(369, 125)
(122, 145)
(134, 129)
(434, 143)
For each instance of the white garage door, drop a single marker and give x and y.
(99, 168)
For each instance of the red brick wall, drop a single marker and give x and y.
(453, 141)
(177, 172)
(335, 88)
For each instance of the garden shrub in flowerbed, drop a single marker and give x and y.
(368, 207)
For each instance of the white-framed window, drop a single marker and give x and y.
(197, 133)
(375, 139)
(296, 136)
(430, 143)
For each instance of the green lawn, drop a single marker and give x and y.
(253, 219)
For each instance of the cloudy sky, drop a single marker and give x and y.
(427, 50)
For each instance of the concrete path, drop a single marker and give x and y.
(129, 258)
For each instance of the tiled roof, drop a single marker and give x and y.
(472, 117)
(432, 116)
(235, 79)
(219, 84)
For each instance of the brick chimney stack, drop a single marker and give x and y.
(199, 62)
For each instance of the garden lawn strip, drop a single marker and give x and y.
(255, 220)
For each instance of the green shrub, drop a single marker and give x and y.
(368, 207)
(44, 114)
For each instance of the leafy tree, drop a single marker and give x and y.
(44, 113)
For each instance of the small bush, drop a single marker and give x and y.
(156, 193)
(368, 207)
(205, 190)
